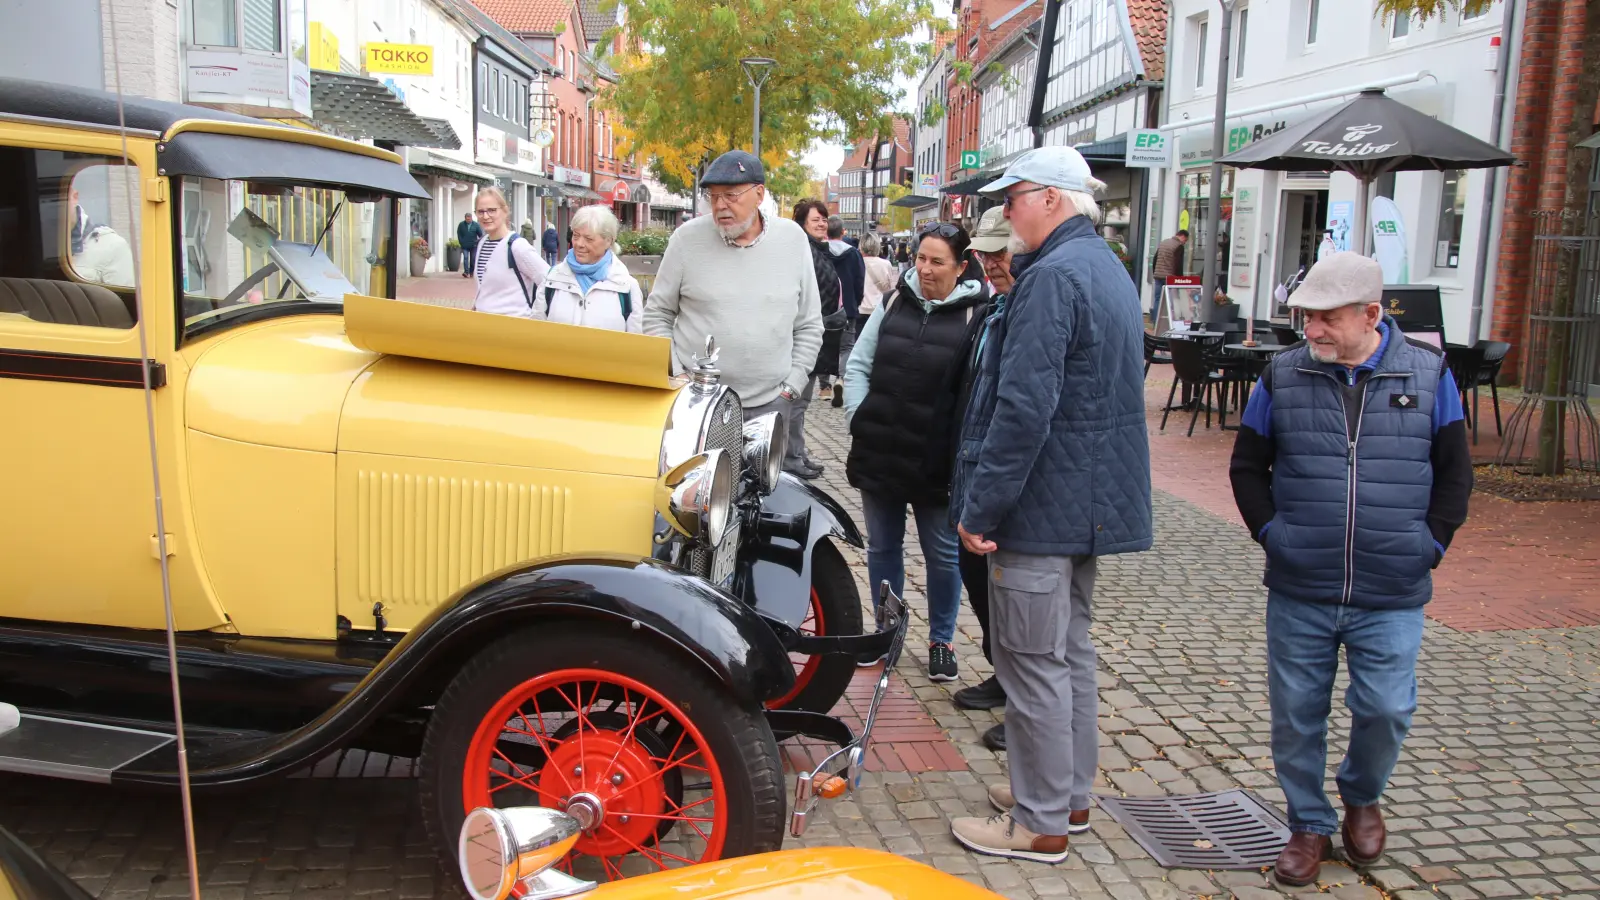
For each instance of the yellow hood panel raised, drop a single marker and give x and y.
(442, 333)
(821, 874)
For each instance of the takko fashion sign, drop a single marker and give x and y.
(1356, 143)
(400, 59)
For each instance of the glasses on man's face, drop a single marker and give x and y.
(1011, 199)
(715, 197)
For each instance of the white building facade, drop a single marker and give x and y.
(1292, 58)
(928, 140)
(1005, 82)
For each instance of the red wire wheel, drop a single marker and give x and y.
(624, 760)
(660, 765)
(835, 610)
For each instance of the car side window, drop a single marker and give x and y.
(66, 255)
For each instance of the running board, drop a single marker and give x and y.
(79, 751)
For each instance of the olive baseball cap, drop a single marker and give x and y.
(993, 233)
(1340, 279)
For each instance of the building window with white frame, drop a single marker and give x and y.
(1201, 31)
(245, 24)
(1313, 13)
(1399, 27)
(1241, 28)
(1473, 16)
(1452, 211)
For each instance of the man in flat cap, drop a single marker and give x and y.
(1351, 469)
(745, 278)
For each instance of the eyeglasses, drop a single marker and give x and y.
(942, 229)
(1011, 198)
(725, 196)
(487, 210)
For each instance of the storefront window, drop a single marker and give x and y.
(1452, 208)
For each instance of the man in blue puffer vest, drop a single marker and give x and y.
(1352, 470)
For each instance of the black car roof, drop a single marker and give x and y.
(42, 99)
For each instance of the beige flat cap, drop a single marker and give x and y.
(1340, 279)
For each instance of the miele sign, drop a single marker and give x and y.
(1353, 144)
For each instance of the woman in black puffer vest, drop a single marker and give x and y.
(901, 389)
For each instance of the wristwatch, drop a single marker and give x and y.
(786, 392)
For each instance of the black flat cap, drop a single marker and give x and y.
(735, 167)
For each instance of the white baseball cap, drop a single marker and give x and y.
(1057, 167)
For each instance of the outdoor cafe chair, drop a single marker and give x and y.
(1155, 352)
(1192, 367)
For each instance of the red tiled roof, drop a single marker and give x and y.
(942, 40)
(527, 16)
(1149, 20)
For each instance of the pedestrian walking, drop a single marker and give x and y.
(746, 279)
(590, 286)
(852, 269)
(508, 269)
(468, 234)
(1352, 470)
(1168, 264)
(881, 279)
(900, 402)
(812, 217)
(551, 243)
(1053, 473)
(994, 245)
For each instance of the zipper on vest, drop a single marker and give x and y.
(1350, 501)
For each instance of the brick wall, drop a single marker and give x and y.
(147, 46)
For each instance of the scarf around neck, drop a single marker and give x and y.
(588, 274)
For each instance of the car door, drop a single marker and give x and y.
(77, 535)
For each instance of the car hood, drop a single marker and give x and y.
(822, 874)
(302, 384)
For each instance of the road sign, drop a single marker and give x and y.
(1148, 149)
(970, 159)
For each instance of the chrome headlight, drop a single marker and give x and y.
(695, 497)
(766, 441)
(500, 849)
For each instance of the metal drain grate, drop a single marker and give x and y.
(1226, 830)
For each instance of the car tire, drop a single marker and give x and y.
(835, 611)
(678, 715)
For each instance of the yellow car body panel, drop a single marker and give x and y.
(834, 873)
(280, 383)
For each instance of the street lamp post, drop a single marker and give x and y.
(756, 69)
(1219, 133)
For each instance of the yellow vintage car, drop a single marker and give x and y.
(513, 550)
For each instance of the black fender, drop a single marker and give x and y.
(792, 519)
(708, 625)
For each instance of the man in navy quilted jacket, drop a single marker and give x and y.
(1053, 472)
(1352, 470)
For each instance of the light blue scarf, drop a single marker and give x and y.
(587, 275)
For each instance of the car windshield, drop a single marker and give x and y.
(248, 246)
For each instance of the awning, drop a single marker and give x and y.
(363, 107)
(240, 158)
(970, 185)
(573, 192)
(429, 163)
(915, 201)
(1112, 150)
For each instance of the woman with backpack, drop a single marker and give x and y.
(590, 286)
(508, 269)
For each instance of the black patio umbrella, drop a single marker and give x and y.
(1367, 137)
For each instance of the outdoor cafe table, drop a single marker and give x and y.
(1267, 349)
(1192, 335)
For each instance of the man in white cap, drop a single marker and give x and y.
(1052, 473)
(1352, 470)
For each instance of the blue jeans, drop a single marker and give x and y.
(1380, 646)
(886, 535)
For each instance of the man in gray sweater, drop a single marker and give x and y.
(746, 280)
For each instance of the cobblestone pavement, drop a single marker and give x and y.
(1496, 795)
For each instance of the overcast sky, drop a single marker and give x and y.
(825, 158)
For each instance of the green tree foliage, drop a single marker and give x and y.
(896, 218)
(1424, 10)
(790, 182)
(682, 97)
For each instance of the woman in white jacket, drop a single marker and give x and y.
(590, 286)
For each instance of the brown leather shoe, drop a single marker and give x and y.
(1299, 862)
(1363, 834)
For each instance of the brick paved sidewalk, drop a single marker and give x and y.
(1497, 794)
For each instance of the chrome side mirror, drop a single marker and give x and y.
(502, 848)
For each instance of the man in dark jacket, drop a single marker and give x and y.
(1352, 470)
(852, 269)
(550, 243)
(468, 234)
(1053, 472)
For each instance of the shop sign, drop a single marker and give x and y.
(1353, 143)
(571, 176)
(400, 59)
(619, 192)
(1148, 148)
(324, 47)
(1244, 222)
(1196, 147)
(971, 159)
(264, 85)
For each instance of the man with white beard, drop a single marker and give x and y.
(745, 278)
